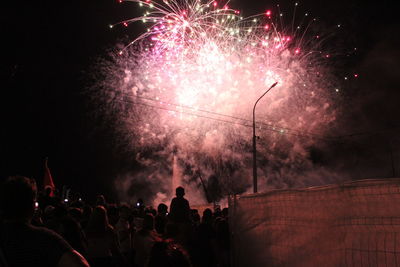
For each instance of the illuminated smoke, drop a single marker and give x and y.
(186, 89)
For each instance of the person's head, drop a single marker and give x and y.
(195, 216)
(113, 214)
(148, 222)
(207, 215)
(162, 209)
(98, 221)
(86, 212)
(48, 191)
(75, 213)
(49, 212)
(17, 198)
(217, 212)
(100, 200)
(180, 191)
(151, 210)
(125, 212)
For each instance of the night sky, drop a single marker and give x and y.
(50, 48)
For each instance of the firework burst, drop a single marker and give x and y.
(188, 84)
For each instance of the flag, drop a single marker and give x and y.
(48, 179)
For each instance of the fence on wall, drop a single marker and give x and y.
(351, 224)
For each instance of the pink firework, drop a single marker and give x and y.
(188, 84)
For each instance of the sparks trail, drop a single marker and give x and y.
(179, 23)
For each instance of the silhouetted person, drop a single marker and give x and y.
(86, 213)
(222, 242)
(179, 208)
(70, 229)
(24, 244)
(180, 217)
(217, 212)
(101, 201)
(161, 220)
(140, 208)
(144, 240)
(195, 217)
(47, 199)
(63, 224)
(113, 214)
(124, 231)
(206, 241)
(75, 213)
(103, 245)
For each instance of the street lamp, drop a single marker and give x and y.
(254, 140)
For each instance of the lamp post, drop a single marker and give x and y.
(254, 140)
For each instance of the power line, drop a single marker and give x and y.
(300, 133)
(281, 130)
(270, 126)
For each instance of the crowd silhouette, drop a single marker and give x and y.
(39, 229)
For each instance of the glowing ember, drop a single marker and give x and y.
(188, 85)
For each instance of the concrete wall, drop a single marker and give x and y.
(351, 224)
